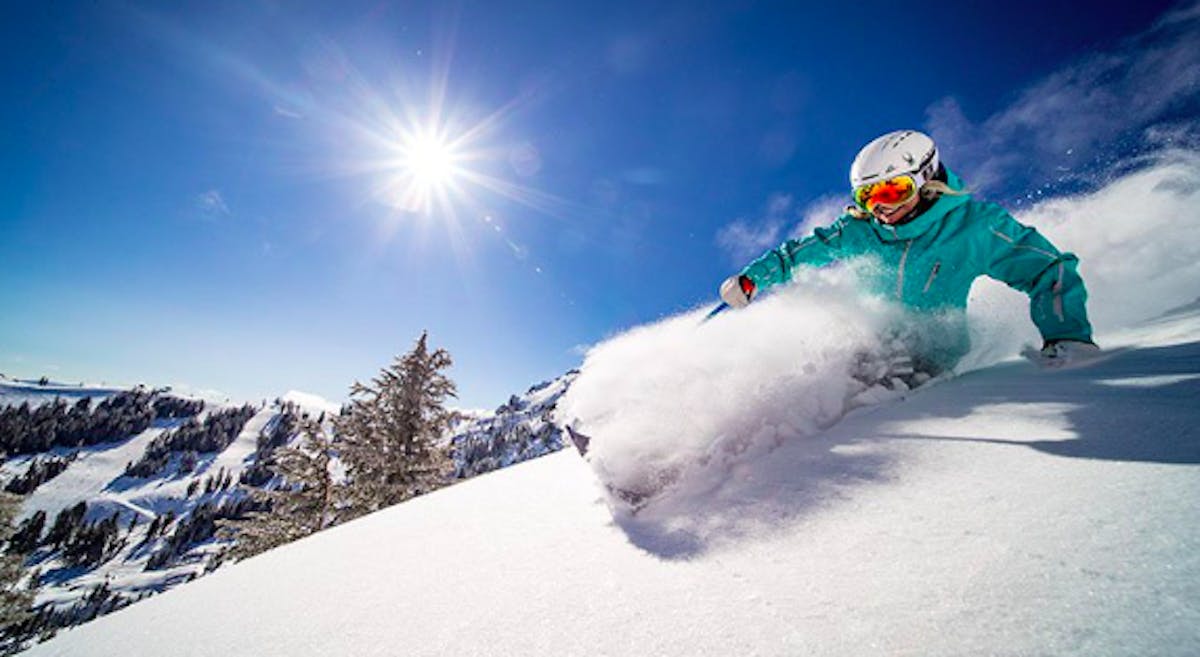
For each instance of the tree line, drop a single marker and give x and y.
(30, 430)
(276, 434)
(216, 433)
(39, 472)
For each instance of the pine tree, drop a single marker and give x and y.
(14, 599)
(28, 535)
(392, 431)
(305, 503)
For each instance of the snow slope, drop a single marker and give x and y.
(17, 392)
(1010, 511)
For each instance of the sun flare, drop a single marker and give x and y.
(429, 160)
(426, 170)
(439, 163)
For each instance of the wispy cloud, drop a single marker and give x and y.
(212, 204)
(286, 113)
(746, 238)
(644, 176)
(1061, 127)
(820, 211)
(580, 350)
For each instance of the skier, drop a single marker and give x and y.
(929, 240)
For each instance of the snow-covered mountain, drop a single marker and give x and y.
(519, 430)
(150, 504)
(148, 522)
(1010, 511)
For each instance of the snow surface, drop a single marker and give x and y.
(1010, 511)
(314, 404)
(17, 392)
(1004, 511)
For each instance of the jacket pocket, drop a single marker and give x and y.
(932, 275)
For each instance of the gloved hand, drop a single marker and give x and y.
(738, 291)
(1057, 353)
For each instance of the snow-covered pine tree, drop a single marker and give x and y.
(391, 432)
(305, 502)
(14, 598)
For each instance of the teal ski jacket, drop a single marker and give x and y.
(928, 265)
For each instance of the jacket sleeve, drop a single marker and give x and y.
(776, 266)
(1022, 258)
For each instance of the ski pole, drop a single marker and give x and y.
(721, 307)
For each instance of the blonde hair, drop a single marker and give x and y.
(930, 191)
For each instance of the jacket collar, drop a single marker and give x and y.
(932, 216)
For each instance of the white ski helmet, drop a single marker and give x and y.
(895, 154)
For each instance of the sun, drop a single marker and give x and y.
(430, 161)
(426, 170)
(437, 164)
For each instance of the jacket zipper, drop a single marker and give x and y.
(932, 275)
(1058, 300)
(900, 278)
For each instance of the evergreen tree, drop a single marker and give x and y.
(14, 599)
(392, 431)
(28, 535)
(305, 502)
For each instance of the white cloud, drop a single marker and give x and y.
(286, 113)
(1073, 122)
(212, 204)
(821, 211)
(744, 239)
(580, 349)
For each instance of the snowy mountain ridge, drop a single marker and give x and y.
(521, 429)
(160, 525)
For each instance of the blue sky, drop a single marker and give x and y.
(205, 193)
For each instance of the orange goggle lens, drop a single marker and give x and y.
(892, 191)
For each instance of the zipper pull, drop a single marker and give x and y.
(932, 275)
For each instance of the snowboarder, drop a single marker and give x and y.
(930, 240)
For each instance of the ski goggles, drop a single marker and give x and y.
(893, 191)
